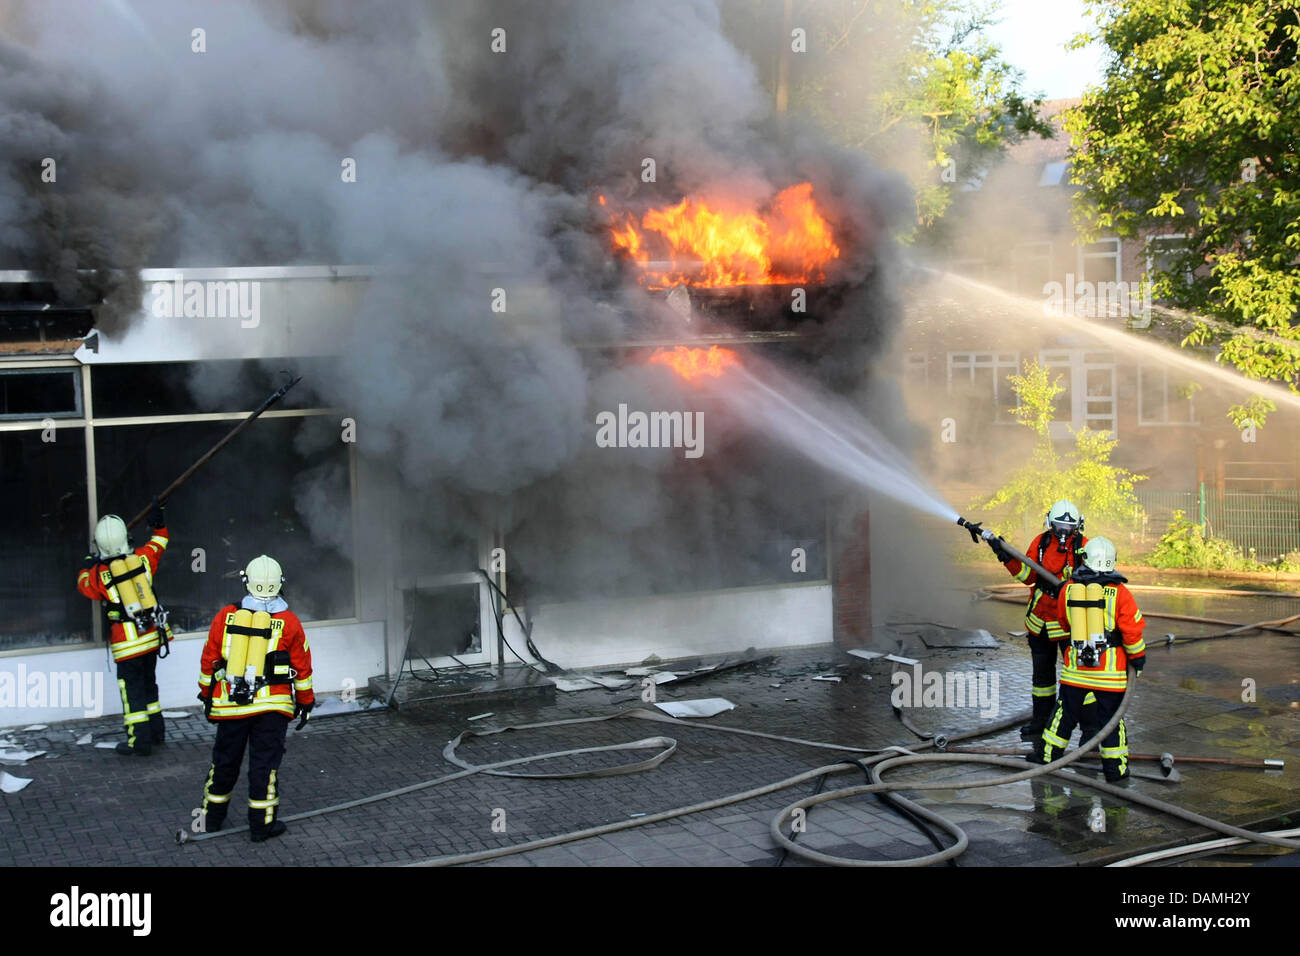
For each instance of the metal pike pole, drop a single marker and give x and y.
(278, 394)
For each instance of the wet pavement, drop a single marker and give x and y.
(1234, 697)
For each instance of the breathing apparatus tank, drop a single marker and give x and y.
(1085, 610)
(132, 582)
(249, 633)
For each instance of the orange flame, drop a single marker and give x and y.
(700, 245)
(691, 363)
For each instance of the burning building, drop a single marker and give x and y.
(434, 488)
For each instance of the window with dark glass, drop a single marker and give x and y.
(43, 537)
(260, 495)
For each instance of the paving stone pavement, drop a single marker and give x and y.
(89, 807)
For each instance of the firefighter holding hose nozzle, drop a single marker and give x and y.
(255, 677)
(138, 633)
(1057, 549)
(1103, 629)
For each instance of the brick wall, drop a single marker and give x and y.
(851, 580)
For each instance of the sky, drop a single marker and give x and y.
(1033, 34)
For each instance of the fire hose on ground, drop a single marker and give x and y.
(878, 761)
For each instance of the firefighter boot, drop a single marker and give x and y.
(139, 750)
(157, 729)
(259, 830)
(214, 817)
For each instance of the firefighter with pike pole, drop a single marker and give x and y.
(122, 579)
(255, 676)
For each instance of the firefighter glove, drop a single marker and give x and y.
(1138, 663)
(1001, 552)
(89, 561)
(156, 517)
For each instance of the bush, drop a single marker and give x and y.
(1184, 545)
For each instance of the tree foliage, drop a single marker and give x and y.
(1082, 474)
(1196, 131)
(917, 85)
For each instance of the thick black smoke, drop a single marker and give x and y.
(477, 170)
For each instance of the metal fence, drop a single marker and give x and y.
(1265, 522)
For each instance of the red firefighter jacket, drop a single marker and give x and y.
(127, 642)
(287, 634)
(1042, 613)
(1123, 622)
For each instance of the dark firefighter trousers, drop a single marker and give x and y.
(263, 737)
(1043, 654)
(1089, 710)
(141, 712)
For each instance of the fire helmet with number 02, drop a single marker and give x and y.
(263, 577)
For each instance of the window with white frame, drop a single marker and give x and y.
(1164, 399)
(1100, 261)
(1087, 399)
(982, 376)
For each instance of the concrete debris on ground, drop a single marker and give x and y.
(11, 784)
(704, 707)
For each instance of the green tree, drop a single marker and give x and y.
(916, 84)
(1083, 474)
(1196, 131)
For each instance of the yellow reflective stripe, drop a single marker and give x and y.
(1120, 751)
(1137, 615)
(158, 539)
(1090, 698)
(1022, 574)
(1053, 738)
(205, 679)
(1045, 691)
(154, 708)
(1054, 630)
(302, 684)
(1035, 620)
(282, 705)
(1111, 594)
(1136, 649)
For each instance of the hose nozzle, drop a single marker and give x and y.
(977, 533)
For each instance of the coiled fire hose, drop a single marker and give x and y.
(879, 761)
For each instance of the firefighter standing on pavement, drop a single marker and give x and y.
(1103, 636)
(138, 632)
(255, 677)
(1057, 549)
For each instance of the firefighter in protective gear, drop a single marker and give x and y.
(255, 677)
(1057, 549)
(1103, 629)
(138, 633)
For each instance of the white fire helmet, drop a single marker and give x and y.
(1064, 517)
(263, 577)
(1099, 555)
(110, 537)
